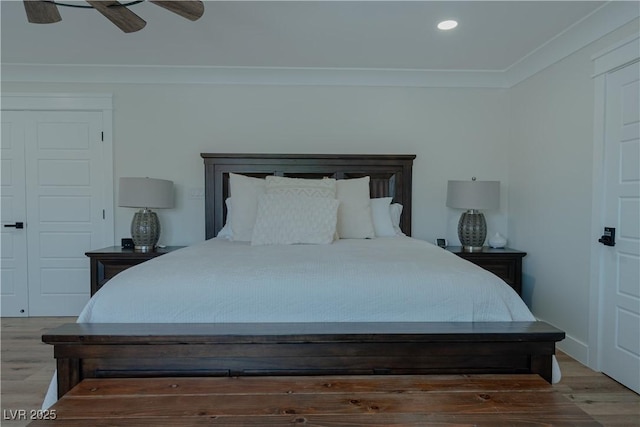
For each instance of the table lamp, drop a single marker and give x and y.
(145, 193)
(473, 195)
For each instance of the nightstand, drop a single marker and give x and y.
(107, 262)
(506, 263)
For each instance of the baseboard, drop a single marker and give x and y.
(573, 347)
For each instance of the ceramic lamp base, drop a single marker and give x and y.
(472, 230)
(145, 230)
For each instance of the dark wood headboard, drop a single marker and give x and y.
(390, 177)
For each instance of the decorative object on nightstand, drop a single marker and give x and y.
(497, 241)
(473, 195)
(145, 193)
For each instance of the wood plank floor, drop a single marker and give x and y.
(28, 364)
(356, 400)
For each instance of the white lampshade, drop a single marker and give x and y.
(145, 193)
(473, 194)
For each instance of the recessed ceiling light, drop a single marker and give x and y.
(447, 25)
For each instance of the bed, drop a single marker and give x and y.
(225, 306)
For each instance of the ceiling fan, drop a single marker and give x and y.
(46, 11)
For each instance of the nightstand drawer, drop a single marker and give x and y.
(111, 268)
(506, 263)
(504, 269)
(107, 262)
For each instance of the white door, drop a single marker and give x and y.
(65, 208)
(64, 187)
(13, 258)
(621, 263)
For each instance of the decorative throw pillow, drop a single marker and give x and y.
(285, 220)
(381, 215)
(354, 213)
(245, 191)
(325, 187)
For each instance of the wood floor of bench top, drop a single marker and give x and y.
(398, 400)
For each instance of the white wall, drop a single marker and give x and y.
(550, 189)
(536, 138)
(160, 131)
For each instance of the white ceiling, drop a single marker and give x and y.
(491, 36)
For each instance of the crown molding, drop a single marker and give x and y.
(601, 22)
(68, 73)
(598, 24)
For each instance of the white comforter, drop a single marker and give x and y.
(357, 280)
(352, 280)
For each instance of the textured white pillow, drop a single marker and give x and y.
(381, 215)
(396, 211)
(325, 187)
(354, 213)
(285, 220)
(245, 191)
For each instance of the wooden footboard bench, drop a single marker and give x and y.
(145, 350)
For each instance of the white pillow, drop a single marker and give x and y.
(396, 211)
(354, 213)
(225, 232)
(325, 187)
(381, 215)
(245, 191)
(284, 220)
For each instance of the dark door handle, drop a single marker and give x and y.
(16, 225)
(609, 237)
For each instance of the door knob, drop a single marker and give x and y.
(16, 225)
(609, 237)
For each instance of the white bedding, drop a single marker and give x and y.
(357, 280)
(352, 280)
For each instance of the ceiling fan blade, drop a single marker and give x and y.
(122, 17)
(40, 12)
(192, 10)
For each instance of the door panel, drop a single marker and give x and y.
(64, 205)
(63, 172)
(621, 263)
(13, 263)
